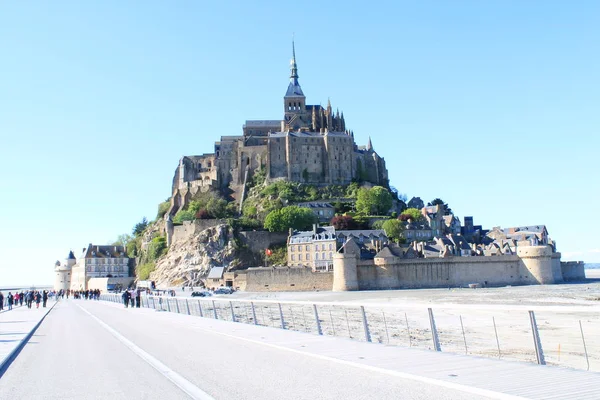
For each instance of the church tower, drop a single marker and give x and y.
(294, 101)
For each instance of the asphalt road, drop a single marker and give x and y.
(75, 355)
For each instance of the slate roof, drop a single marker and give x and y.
(294, 90)
(363, 232)
(263, 122)
(216, 273)
(315, 204)
(322, 233)
(105, 251)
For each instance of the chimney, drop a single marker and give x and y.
(314, 228)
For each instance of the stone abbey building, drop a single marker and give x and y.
(311, 144)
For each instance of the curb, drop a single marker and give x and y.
(15, 352)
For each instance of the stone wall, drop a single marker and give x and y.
(258, 241)
(573, 270)
(189, 228)
(288, 279)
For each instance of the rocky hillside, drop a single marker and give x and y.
(189, 260)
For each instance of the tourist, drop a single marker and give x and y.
(1, 301)
(16, 298)
(138, 298)
(44, 298)
(10, 300)
(38, 299)
(125, 297)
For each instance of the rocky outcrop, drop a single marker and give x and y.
(190, 260)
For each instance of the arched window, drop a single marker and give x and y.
(323, 256)
(316, 256)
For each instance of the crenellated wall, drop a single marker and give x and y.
(573, 270)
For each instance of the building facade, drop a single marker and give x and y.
(100, 262)
(311, 144)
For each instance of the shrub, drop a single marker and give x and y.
(184, 215)
(374, 201)
(289, 217)
(393, 229)
(343, 222)
(202, 214)
(144, 270)
(411, 213)
(156, 248)
(162, 209)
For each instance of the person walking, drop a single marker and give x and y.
(1, 301)
(44, 298)
(10, 300)
(38, 299)
(125, 297)
(138, 298)
(21, 299)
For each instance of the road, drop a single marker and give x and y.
(75, 355)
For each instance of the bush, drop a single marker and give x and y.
(246, 223)
(162, 209)
(279, 256)
(411, 213)
(202, 214)
(184, 215)
(379, 223)
(343, 222)
(144, 270)
(394, 229)
(289, 217)
(156, 248)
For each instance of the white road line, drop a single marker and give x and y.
(188, 387)
(404, 375)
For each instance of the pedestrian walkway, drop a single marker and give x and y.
(16, 327)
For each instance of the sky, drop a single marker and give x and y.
(491, 106)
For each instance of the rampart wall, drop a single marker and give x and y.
(289, 279)
(189, 228)
(258, 241)
(573, 270)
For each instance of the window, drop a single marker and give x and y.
(293, 257)
(323, 256)
(316, 256)
(307, 248)
(330, 246)
(330, 255)
(299, 257)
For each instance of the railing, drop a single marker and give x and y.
(546, 335)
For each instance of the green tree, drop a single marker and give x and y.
(123, 240)
(394, 229)
(374, 201)
(438, 201)
(139, 228)
(411, 213)
(217, 208)
(289, 217)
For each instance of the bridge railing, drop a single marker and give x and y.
(565, 336)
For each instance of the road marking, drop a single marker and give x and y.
(188, 387)
(405, 375)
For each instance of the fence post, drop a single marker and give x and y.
(215, 310)
(232, 313)
(408, 330)
(319, 330)
(496, 332)
(168, 304)
(200, 308)
(463, 332)
(348, 324)
(365, 324)
(293, 319)
(177, 305)
(332, 325)
(253, 313)
(386, 328)
(281, 316)
(434, 333)
(153, 303)
(539, 352)
(187, 306)
(584, 346)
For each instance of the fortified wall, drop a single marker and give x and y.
(531, 265)
(284, 279)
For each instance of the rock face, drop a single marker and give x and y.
(190, 260)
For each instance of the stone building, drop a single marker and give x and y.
(311, 144)
(316, 248)
(62, 272)
(100, 262)
(322, 210)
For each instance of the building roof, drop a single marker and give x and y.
(321, 233)
(216, 273)
(262, 122)
(362, 232)
(315, 204)
(104, 251)
(519, 229)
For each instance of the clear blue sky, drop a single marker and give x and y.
(491, 105)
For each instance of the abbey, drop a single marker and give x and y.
(311, 144)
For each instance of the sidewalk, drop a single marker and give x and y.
(16, 328)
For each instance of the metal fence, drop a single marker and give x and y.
(546, 335)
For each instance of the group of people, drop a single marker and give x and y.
(90, 294)
(28, 297)
(132, 297)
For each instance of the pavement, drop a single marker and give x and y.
(96, 350)
(16, 328)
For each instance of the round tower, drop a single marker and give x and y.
(538, 262)
(62, 272)
(345, 273)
